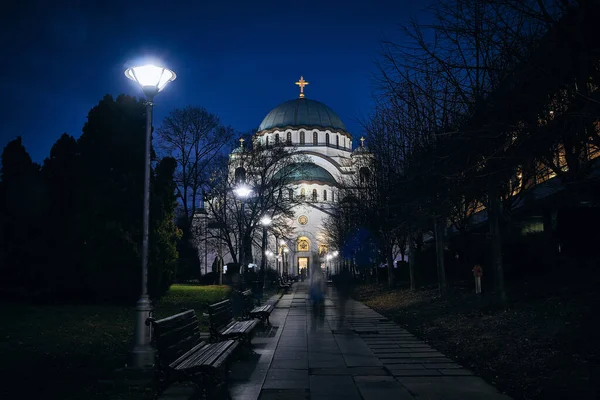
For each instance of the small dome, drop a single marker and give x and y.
(302, 112)
(361, 149)
(307, 172)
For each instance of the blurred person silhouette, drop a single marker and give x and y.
(344, 290)
(317, 292)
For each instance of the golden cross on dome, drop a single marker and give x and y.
(242, 140)
(362, 141)
(301, 83)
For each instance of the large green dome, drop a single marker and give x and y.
(306, 171)
(302, 112)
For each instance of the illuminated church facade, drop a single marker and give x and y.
(315, 131)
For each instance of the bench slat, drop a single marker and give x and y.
(176, 363)
(184, 355)
(265, 308)
(240, 327)
(173, 319)
(220, 314)
(222, 359)
(177, 350)
(197, 359)
(210, 357)
(176, 334)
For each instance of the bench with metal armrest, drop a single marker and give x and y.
(252, 311)
(183, 355)
(224, 326)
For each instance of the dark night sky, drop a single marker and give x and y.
(239, 59)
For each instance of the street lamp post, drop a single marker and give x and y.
(200, 221)
(265, 222)
(280, 252)
(337, 264)
(242, 192)
(286, 262)
(152, 79)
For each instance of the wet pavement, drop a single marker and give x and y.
(362, 356)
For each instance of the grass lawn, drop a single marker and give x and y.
(544, 345)
(61, 351)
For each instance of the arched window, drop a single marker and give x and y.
(314, 195)
(302, 194)
(240, 175)
(322, 250)
(277, 138)
(364, 174)
(289, 138)
(302, 137)
(332, 196)
(303, 244)
(327, 139)
(290, 194)
(337, 141)
(315, 138)
(324, 195)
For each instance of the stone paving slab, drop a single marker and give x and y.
(451, 388)
(361, 356)
(388, 389)
(354, 371)
(285, 394)
(338, 385)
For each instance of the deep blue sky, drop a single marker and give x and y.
(239, 59)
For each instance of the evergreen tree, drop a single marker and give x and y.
(61, 230)
(22, 202)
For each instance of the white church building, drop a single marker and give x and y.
(314, 130)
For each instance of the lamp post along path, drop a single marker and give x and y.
(152, 80)
(265, 222)
(242, 192)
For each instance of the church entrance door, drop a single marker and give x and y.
(303, 266)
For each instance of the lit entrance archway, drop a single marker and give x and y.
(303, 266)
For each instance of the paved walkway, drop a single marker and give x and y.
(364, 356)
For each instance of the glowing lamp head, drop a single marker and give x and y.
(335, 253)
(286, 250)
(242, 191)
(151, 78)
(265, 221)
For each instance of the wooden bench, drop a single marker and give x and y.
(261, 312)
(184, 356)
(284, 286)
(224, 326)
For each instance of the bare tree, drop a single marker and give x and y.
(270, 174)
(194, 137)
(443, 78)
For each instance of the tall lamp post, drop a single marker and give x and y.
(337, 264)
(286, 262)
(200, 221)
(242, 192)
(280, 252)
(152, 80)
(265, 222)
